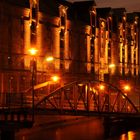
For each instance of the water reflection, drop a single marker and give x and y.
(88, 130)
(130, 135)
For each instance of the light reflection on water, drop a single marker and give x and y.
(130, 135)
(90, 130)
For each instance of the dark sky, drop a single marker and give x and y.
(130, 5)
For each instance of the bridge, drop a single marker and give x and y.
(87, 97)
(83, 98)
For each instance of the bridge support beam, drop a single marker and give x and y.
(87, 90)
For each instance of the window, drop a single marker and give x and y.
(61, 54)
(61, 64)
(134, 71)
(62, 34)
(62, 39)
(123, 71)
(62, 20)
(9, 61)
(134, 61)
(34, 13)
(109, 53)
(33, 27)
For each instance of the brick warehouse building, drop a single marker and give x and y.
(83, 41)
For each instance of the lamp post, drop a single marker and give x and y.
(49, 59)
(110, 67)
(33, 52)
(101, 89)
(55, 78)
(127, 88)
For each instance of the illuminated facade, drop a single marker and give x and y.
(127, 64)
(103, 42)
(133, 44)
(83, 42)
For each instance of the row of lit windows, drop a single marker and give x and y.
(63, 19)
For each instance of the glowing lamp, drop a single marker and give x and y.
(101, 87)
(127, 88)
(33, 51)
(111, 65)
(49, 59)
(55, 78)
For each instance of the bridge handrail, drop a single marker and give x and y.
(53, 92)
(87, 81)
(120, 91)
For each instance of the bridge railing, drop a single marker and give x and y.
(76, 96)
(15, 108)
(87, 96)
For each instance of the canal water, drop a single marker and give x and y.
(74, 129)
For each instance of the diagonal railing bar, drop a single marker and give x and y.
(124, 104)
(95, 98)
(84, 101)
(79, 97)
(103, 106)
(68, 99)
(52, 104)
(80, 100)
(55, 92)
(55, 100)
(116, 99)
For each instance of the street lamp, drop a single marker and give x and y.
(110, 68)
(101, 87)
(55, 78)
(112, 65)
(126, 88)
(49, 59)
(33, 52)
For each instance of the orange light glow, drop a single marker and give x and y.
(124, 96)
(131, 135)
(135, 22)
(80, 85)
(33, 51)
(112, 65)
(90, 89)
(127, 88)
(49, 58)
(101, 87)
(55, 78)
(124, 18)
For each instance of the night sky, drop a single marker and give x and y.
(130, 5)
